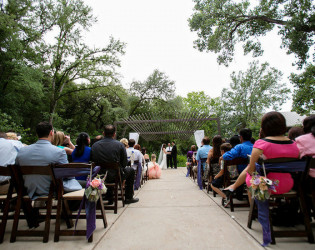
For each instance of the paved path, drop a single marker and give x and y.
(174, 214)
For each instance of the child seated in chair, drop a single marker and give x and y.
(217, 183)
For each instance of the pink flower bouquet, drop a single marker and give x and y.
(94, 188)
(261, 186)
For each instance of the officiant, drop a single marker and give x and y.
(169, 155)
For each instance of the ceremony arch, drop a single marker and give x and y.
(154, 126)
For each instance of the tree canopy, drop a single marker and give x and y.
(250, 94)
(222, 24)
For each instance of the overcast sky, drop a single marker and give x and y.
(158, 37)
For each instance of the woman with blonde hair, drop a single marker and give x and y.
(61, 139)
(154, 168)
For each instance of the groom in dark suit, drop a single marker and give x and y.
(174, 154)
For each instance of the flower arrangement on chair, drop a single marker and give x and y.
(261, 186)
(93, 186)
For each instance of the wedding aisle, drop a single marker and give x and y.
(174, 214)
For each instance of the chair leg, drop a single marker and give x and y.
(116, 198)
(5, 213)
(16, 218)
(308, 228)
(100, 201)
(231, 203)
(58, 217)
(251, 213)
(47, 220)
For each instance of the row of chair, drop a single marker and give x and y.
(304, 185)
(56, 194)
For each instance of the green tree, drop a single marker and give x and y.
(221, 24)
(304, 93)
(157, 86)
(66, 57)
(250, 94)
(200, 102)
(21, 90)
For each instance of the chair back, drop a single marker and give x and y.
(5, 171)
(72, 170)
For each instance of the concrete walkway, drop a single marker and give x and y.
(172, 214)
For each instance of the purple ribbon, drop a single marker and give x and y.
(199, 177)
(263, 218)
(138, 178)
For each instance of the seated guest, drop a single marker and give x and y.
(295, 132)
(274, 145)
(125, 142)
(217, 183)
(8, 154)
(154, 168)
(144, 167)
(190, 157)
(82, 154)
(111, 150)
(202, 153)
(60, 139)
(134, 156)
(43, 153)
(13, 137)
(234, 140)
(214, 154)
(306, 143)
(97, 138)
(241, 150)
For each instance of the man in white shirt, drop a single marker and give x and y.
(169, 156)
(8, 153)
(133, 155)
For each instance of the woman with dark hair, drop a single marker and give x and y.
(214, 155)
(274, 145)
(295, 132)
(234, 140)
(191, 161)
(82, 153)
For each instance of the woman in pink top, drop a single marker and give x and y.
(274, 145)
(306, 143)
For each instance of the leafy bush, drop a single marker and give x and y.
(181, 160)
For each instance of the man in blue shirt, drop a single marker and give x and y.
(202, 152)
(241, 150)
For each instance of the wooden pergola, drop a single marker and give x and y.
(154, 126)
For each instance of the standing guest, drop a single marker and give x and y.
(174, 154)
(43, 153)
(125, 142)
(295, 132)
(82, 154)
(202, 153)
(111, 150)
(60, 139)
(169, 161)
(8, 154)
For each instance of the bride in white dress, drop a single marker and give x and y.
(162, 158)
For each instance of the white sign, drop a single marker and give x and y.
(199, 135)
